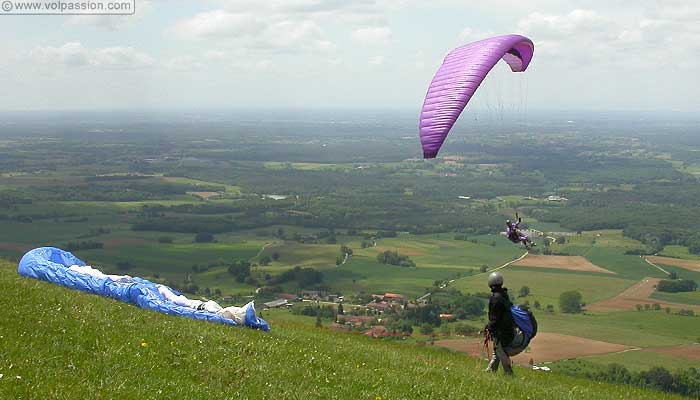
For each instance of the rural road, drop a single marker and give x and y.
(488, 271)
(654, 265)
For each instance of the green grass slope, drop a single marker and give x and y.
(61, 344)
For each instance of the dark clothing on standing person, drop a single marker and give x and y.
(500, 319)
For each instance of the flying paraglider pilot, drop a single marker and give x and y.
(514, 234)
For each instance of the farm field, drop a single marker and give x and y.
(634, 328)
(640, 293)
(169, 260)
(690, 265)
(691, 298)
(548, 347)
(546, 285)
(569, 263)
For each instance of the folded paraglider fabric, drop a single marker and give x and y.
(63, 268)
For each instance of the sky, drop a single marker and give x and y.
(611, 55)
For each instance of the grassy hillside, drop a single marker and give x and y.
(61, 344)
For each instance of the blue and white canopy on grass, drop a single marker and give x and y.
(53, 265)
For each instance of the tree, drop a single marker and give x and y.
(675, 286)
(265, 260)
(204, 237)
(463, 329)
(345, 250)
(426, 329)
(524, 291)
(561, 240)
(445, 330)
(618, 373)
(570, 302)
(165, 239)
(658, 377)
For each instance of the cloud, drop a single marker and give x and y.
(470, 35)
(111, 22)
(577, 22)
(288, 25)
(74, 55)
(658, 36)
(376, 60)
(372, 35)
(217, 23)
(71, 54)
(254, 31)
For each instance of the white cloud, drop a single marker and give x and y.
(605, 39)
(74, 54)
(470, 35)
(183, 63)
(217, 23)
(111, 22)
(254, 31)
(71, 54)
(548, 26)
(376, 60)
(372, 35)
(120, 57)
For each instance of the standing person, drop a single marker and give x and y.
(508, 339)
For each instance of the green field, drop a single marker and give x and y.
(112, 350)
(292, 254)
(169, 260)
(682, 298)
(634, 328)
(366, 274)
(546, 286)
(442, 251)
(625, 266)
(679, 252)
(641, 360)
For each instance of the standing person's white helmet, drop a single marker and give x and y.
(495, 279)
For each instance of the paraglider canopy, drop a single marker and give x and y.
(460, 75)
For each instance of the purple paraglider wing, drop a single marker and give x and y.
(460, 75)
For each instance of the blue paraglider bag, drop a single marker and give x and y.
(525, 321)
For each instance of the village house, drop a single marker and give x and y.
(448, 317)
(355, 320)
(394, 298)
(276, 304)
(311, 295)
(380, 307)
(332, 298)
(424, 299)
(288, 297)
(377, 332)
